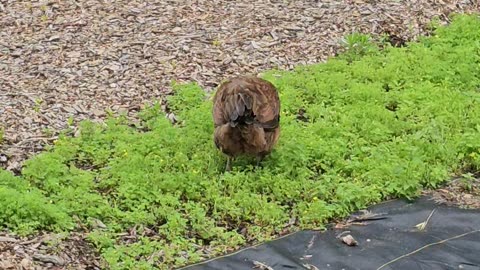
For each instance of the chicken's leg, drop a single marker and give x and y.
(259, 161)
(228, 166)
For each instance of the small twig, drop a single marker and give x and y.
(38, 138)
(426, 246)
(17, 94)
(261, 265)
(422, 225)
(28, 242)
(366, 216)
(429, 216)
(312, 241)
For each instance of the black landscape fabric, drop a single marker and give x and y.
(450, 240)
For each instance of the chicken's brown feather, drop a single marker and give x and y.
(246, 114)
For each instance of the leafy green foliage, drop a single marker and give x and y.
(380, 126)
(357, 45)
(26, 209)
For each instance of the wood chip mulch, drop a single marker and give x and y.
(47, 251)
(459, 192)
(65, 61)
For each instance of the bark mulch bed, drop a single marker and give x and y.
(65, 61)
(47, 251)
(460, 192)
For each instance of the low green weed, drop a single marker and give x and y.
(357, 45)
(380, 126)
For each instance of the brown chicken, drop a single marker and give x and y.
(246, 115)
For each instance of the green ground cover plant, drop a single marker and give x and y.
(354, 132)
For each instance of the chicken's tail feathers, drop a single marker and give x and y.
(241, 112)
(240, 109)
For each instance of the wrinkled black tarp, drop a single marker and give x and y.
(379, 242)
